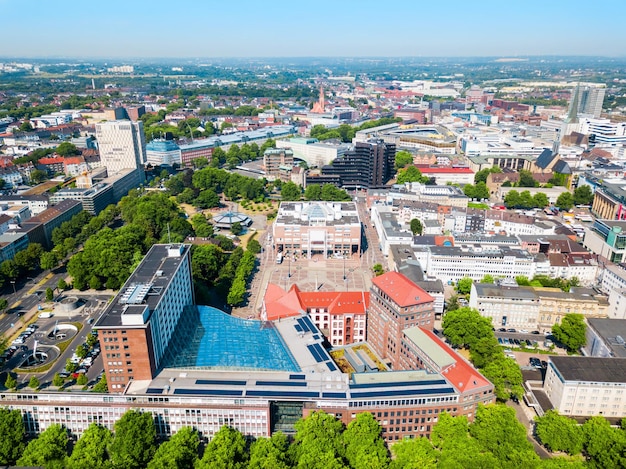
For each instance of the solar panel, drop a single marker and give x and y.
(209, 392)
(399, 392)
(432, 382)
(297, 376)
(154, 391)
(309, 324)
(315, 353)
(281, 383)
(304, 325)
(259, 393)
(334, 395)
(298, 328)
(216, 382)
(331, 366)
(321, 351)
(316, 337)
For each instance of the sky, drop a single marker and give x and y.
(321, 28)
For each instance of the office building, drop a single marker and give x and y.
(163, 152)
(396, 304)
(323, 228)
(312, 151)
(136, 327)
(590, 100)
(122, 145)
(586, 386)
(369, 164)
(278, 163)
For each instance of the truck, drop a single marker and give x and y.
(279, 258)
(45, 315)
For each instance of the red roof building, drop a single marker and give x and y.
(341, 316)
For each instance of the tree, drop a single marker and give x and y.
(403, 159)
(61, 284)
(496, 429)
(506, 376)
(67, 149)
(583, 195)
(414, 453)
(57, 380)
(485, 350)
(318, 436)
(37, 176)
(481, 176)
(3, 304)
(49, 449)
(101, 386)
(565, 201)
(254, 246)
(416, 227)
(452, 303)
(82, 379)
(541, 200)
(313, 192)
(10, 382)
(559, 433)
(13, 432)
(363, 443)
(33, 383)
(464, 285)
(465, 326)
(236, 228)
(512, 199)
(571, 332)
(270, 453)
(526, 179)
(226, 450)
(290, 191)
(49, 260)
(180, 451)
(378, 269)
(604, 445)
(91, 450)
(70, 366)
(481, 191)
(134, 443)
(410, 174)
(26, 126)
(487, 278)
(49, 294)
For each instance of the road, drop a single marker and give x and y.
(371, 248)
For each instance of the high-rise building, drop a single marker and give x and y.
(396, 304)
(590, 101)
(122, 145)
(369, 164)
(138, 324)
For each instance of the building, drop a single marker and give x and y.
(50, 219)
(396, 304)
(35, 203)
(340, 316)
(322, 228)
(122, 145)
(605, 338)
(607, 239)
(533, 308)
(609, 200)
(197, 149)
(312, 151)
(368, 164)
(274, 160)
(135, 329)
(586, 386)
(448, 175)
(591, 100)
(163, 153)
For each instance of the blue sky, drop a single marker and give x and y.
(277, 28)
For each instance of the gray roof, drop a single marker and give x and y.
(612, 332)
(591, 369)
(496, 291)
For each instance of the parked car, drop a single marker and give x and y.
(511, 330)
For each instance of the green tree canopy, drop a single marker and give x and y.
(13, 432)
(481, 176)
(465, 326)
(67, 149)
(604, 445)
(318, 435)
(411, 174)
(583, 195)
(270, 453)
(416, 226)
(464, 285)
(290, 191)
(91, 450)
(403, 159)
(227, 450)
(559, 433)
(179, 452)
(572, 331)
(526, 179)
(313, 192)
(134, 442)
(565, 201)
(49, 449)
(506, 376)
(363, 443)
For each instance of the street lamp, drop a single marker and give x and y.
(289, 259)
(344, 266)
(13, 283)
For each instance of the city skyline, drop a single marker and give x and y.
(325, 29)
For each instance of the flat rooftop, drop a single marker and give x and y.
(591, 369)
(613, 332)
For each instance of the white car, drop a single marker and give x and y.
(523, 331)
(18, 341)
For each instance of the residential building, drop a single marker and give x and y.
(389, 230)
(275, 161)
(396, 304)
(586, 386)
(11, 243)
(52, 218)
(136, 327)
(35, 203)
(605, 338)
(122, 145)
(322, 228)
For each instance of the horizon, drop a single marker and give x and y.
(281, 29)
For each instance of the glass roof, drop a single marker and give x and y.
(216, 340)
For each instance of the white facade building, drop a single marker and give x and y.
(122, 145)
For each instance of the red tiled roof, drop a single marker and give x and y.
(401, 290)
(461, 374)
(444, 170)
